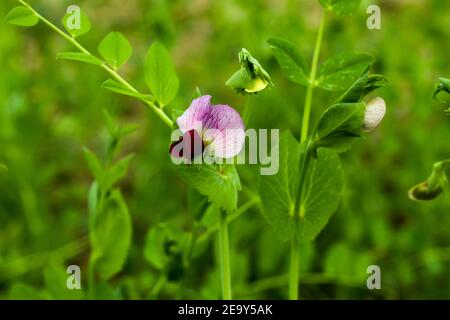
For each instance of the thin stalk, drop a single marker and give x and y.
(224, 256)
(164, 117)
(294, 269)
(231, 217)
(92, 256)
(304, 163)
(158, 286)
(248, 108)
(312, 80)
(91, 278)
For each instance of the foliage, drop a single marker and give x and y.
(50, 110)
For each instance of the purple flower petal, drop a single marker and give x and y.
(193, 117)
(224, 129)
(220, 127)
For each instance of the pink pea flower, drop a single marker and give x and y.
(217, 130)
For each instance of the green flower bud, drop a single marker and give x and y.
(251, 77)
(433, 186)
(442, 86)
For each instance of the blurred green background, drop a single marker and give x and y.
(50, 109)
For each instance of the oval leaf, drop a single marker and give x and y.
(363, 86)
(278, 191)
(291, 62)
(339, 126)
(116, 49)
(339, 72)
(95, 167)
(80, 56)
(114, 86)
(322, 194)
(160, 74)
(22, 16)
(221, 188)
(76, 22)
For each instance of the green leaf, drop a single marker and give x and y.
(117, 171)
(114, 86)
(110, 236)
(165, 246)
(321, 195)
(95, 167)
(126, 130)
(341, 7)
(157, 246)
(277, 192)
(111, 123)
(22, 16)
(221, 187)
(105, 291)
(339, 126)
(76, 22)
(290, 60)
(116, 49)
(160, 245)
(23, 291)
(363, 86)
(93, 196)
(80, 56)
(160, 74)
(339, 72)
(56, 283)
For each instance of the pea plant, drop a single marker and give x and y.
(298, 201)
(437, 182)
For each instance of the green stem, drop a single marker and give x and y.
(224, 253)
(304, 162)
(294, 270)
(91, 278)
(312, 80)
(231, 217)
(164, 117)
(303, 169)
(158, 286)
(248, 108)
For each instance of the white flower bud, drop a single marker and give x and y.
(374, 113)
